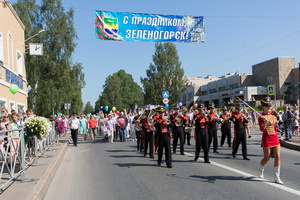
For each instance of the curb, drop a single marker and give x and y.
(290, 145)
(41, 187)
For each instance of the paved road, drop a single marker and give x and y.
(117, 171)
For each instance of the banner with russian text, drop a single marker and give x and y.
(121, 26)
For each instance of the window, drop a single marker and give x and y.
(12, 105)
(19, 63)
(10, 51)
(1, 48)
(20, 109)
(2, 103)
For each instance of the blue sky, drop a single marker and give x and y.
(239, 34)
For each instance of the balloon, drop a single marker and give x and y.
(13, 88)
(179, 104)
(101, 107)
(113, 108)
(106, 108)
(167, 105)
(195, 105)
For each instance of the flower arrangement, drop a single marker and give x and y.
(59, 126)
(39, 126)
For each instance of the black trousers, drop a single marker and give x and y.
(187, 137)
(140, 145)
(164, 143)
(226, 132)
(201, 141)
(149, 141)
(178, 133)
(212, 136)
(74, 134)
(240, 138)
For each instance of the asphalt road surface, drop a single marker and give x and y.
(100, 170)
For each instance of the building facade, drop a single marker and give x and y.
(12, 62)
(279, 72)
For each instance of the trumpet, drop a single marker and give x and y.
(166, 120)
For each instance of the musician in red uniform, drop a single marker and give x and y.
(148, 135)
(187, 127)
(239, 120)
(162, 131)
(138, 131)
(212, 128)
(201, 134)
(270, 142)
(177, 127)
(225, 127)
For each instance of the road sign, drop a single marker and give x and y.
(67, 106)
(271, 89)
(165, 94)
(165, 100)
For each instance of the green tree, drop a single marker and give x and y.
(120, 91)
(164, 74)
(55, 79)
(88, 108)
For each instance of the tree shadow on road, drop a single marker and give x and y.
(119, 150)
(130, 165)
(125, 156)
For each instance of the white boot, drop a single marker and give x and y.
(277, 175)
(261, 171)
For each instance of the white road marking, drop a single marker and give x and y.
(282, 187)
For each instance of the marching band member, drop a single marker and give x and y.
(201, 134)
(138, 131)
(146, 123)
(225, 127)
(270, 142)
(212, 128)
(187, 127)
(162, 125)
(239, 120)
(177, 122)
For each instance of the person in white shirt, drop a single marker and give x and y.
(74, 126)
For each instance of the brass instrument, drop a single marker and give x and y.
(150, 121)
(167, 120)
(223, 120)
(137, 126)
(178, 121)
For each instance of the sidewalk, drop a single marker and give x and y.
(294, 143)
(38, 178)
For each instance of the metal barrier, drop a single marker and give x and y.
(16, 157)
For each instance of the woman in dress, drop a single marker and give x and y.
(270, 142)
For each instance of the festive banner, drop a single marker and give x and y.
(121, 26)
